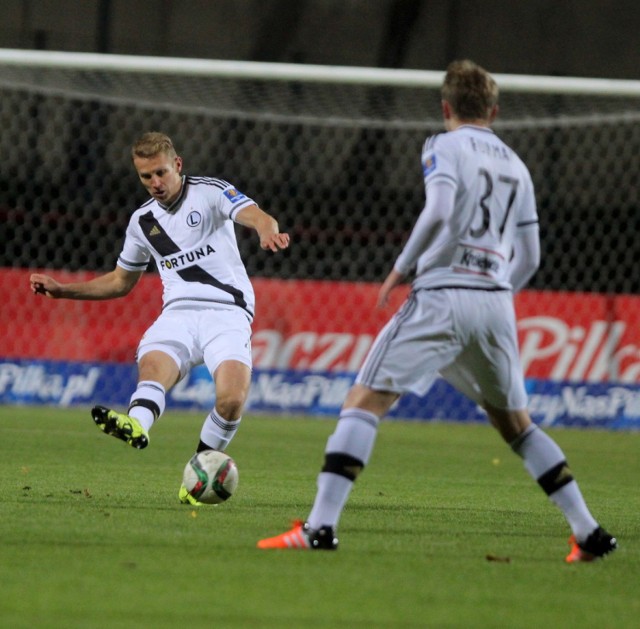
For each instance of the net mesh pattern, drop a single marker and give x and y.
(338, 165)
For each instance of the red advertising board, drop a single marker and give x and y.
(323, 326)
(579, 337)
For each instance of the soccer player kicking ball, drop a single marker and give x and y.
(187, 227)
(474, 244)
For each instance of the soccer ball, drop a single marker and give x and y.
(211, 476)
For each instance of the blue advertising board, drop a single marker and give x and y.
(60, 383)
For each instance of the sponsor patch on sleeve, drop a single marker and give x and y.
(233, 195)
(429, 164)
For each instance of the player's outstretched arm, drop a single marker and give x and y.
(117, 283)
(266, 226)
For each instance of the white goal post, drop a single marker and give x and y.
(306, 72)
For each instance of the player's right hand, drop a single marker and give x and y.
(44, 285)
(393, 279)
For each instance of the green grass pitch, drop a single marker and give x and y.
(443, 529)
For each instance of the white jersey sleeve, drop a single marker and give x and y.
(526, 256)
(135, 255)
(429, 226)
(225, 200)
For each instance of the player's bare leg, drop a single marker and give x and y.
(157, 373)
(159, 367)
(546, 463)
(376, 402)
(233, 379)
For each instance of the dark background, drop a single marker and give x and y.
(348, 194)
(557, 37)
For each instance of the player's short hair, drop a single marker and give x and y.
(151, 144)
(470, 90)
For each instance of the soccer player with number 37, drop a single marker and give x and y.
(474, 244)
(187, 227)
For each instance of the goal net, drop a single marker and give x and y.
(335, 156)
(333, 153)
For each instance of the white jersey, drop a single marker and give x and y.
(194, 245)
(471, 244)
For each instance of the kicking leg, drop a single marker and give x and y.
(158, 372)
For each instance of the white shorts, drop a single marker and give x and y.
(192, 337)
(466, 336)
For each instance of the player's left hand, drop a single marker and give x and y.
(275, 241)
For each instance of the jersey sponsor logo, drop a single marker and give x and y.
(194, 219)
(476, 260)
(429, 164)
(189, 257)
(233, 195)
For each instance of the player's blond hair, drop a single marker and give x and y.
(470, 90)
(151, 144)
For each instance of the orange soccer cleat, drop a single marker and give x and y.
(302, 537)
(597, 545)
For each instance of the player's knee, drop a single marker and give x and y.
(230, 404)
(509, 423)
(158, 366)
(343, 465)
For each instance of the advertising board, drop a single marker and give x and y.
(580, 352)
